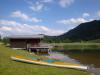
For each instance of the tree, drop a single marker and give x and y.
(5, 40)
(0, 38)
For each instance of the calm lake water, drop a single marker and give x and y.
(82, 57)
(86, 57)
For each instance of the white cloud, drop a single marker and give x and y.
(72, 21)
(37, 6)
(6, 28)
(47, 1)
(40, 5)
(19, 14)
(12, 27)
(64, 3)
(8, 23)
(98, 13)
(86, 15)
(49, 31)
(35, 20)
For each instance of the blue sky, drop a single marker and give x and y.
(50, 17)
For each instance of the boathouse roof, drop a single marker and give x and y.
(25, 36)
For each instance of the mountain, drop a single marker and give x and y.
(85, 31)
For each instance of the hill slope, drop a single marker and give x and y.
(85, 31)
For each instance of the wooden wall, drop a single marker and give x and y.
(22, 43)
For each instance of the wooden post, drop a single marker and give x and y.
(29, 50)
(49, 51)
(37, 51)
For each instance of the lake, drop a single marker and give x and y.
(82, 57)
(76, 56)
(86, 57)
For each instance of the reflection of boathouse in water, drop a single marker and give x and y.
(31, 43)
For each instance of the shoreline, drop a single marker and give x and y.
(75, 46)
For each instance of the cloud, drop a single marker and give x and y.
(46, 1)
(37, 6)
(72, 21)
(11, 27)
(35, 20)
(98, 13)
(6, 28)
(41, 5)
(64, 3)
(19, 14)
(51, 32)
(86, 15)
(8, 23)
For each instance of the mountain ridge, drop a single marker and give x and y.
(84, 32)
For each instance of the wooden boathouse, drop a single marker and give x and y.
(32, 43)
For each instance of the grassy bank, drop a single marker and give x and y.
(9, 67)
(76, 46)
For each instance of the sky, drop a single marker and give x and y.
(49, 17)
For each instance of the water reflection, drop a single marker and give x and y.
(80, 57)
(86, 57)
(62, 57)
(83, 57)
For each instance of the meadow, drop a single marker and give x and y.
(10, 67)
(76, 46)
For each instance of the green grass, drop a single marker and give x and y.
(95, 41)
(77, 46)
(9, 67)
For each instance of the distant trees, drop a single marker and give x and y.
(56, 40)
(0, 38)
(5, 40)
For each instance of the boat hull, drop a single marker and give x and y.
(80, 67)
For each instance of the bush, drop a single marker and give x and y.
(5, 40)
